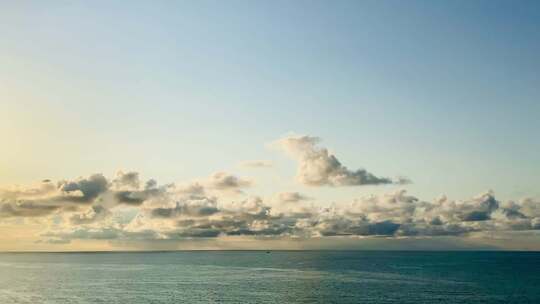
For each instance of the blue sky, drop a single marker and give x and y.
(443, 92)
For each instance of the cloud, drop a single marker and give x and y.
(389, 215)
(317, 167)
(194, 189)
(137, 197)
(256, 164)
(128, 190)
(128, 179)
(26, 209)
(92, 215)
(94, 194)
(291, 197)
(344, 226)
(84, 190)
(128, 209)
(223, 181)
(46, 187)
(102, 233)
(49, 198)
(199, 207)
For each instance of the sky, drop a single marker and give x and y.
(269, 124)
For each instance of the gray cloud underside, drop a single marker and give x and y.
(291, 197)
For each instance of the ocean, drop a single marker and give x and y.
(270, 277)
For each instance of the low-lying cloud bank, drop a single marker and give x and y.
(126, 208)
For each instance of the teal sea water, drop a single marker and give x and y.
(275, 277)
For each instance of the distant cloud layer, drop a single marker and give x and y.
(126, 208)
(317, 167)
(93, 208)
(256, 164)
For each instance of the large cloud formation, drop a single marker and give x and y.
(124, 208)
(317, 167)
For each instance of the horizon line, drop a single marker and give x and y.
(270, 250)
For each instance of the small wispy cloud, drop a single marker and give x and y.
(256, 164)
(291, 197)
